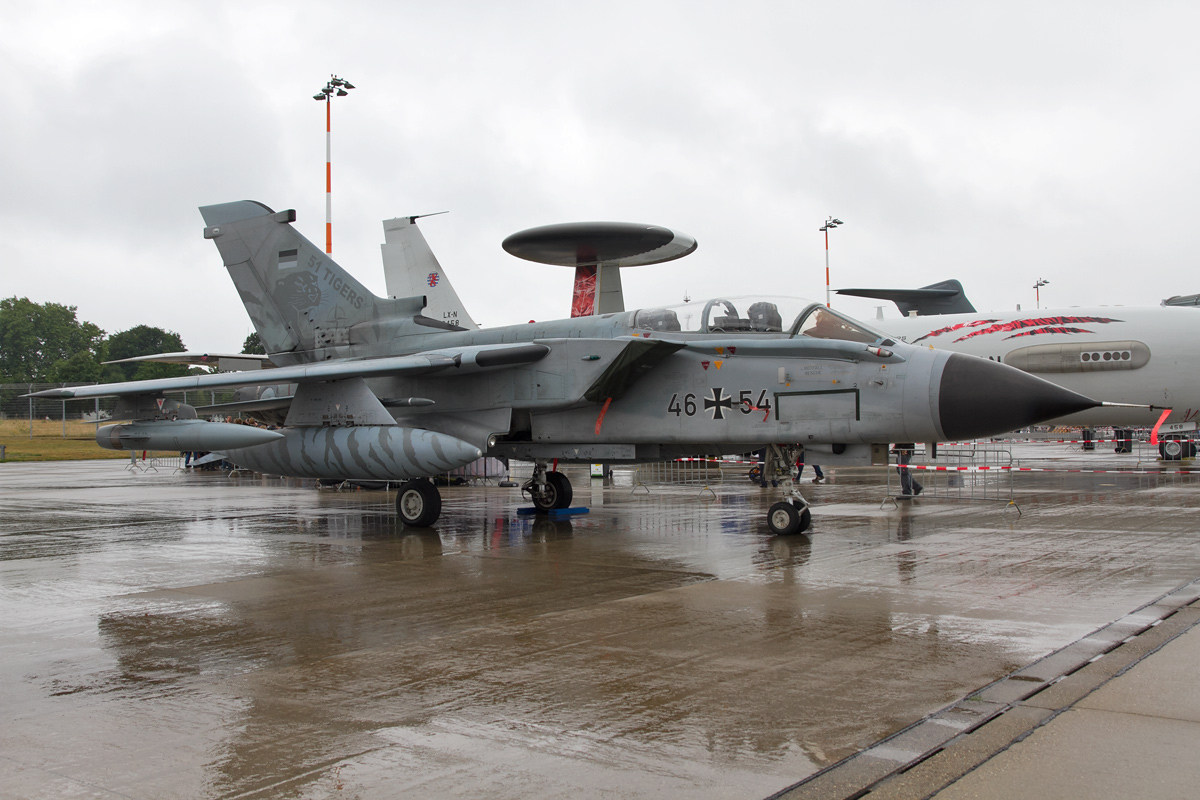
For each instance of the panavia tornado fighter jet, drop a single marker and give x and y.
(384, 392)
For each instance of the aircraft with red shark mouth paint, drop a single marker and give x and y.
(1137, 355)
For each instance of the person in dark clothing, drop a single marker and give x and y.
(908, 485)
(800, 468)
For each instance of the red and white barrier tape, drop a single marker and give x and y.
(1051, 441)
(928, 468)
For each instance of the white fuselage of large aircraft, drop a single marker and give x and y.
(1142, 355)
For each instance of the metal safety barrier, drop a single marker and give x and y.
(702, 472)
(154, 460)
(961, 472)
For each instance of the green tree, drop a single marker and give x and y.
(79, 368)
(35, 337)
(144, 340)
(152, 370)
(253, 345)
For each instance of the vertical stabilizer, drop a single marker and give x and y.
(597, 290)
(410, 268)
(303, 305)
(583, 294)
(610, 297)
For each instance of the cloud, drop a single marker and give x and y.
(995, 143)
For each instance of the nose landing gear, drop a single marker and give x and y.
(791, 515)
(548, 490)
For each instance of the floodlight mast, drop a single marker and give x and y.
(1037, 287)
(830, 222)
(334, 87)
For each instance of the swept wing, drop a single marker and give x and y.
(461, 360)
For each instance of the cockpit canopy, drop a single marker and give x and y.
(756, 315)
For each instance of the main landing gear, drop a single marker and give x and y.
(791, 515)
(548, 490)
(419, 504)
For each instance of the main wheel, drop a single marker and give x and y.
(1170, 450)
(419, 504)
(557, 493)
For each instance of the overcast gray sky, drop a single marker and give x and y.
(997, 143)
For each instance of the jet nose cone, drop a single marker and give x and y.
(982, 398)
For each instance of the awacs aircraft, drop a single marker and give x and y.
(387, 393)
(1145, 356)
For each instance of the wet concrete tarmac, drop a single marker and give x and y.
(193, 635)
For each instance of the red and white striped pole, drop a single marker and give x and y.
(827, 267)
(328, 177)
(334, 87)
(830, 223)
(1037, 287)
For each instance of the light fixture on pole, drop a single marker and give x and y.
(1037, 287)
(830, 223)
(334, 87)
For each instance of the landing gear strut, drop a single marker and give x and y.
(548, 490)
(791, 515)
(419, 504)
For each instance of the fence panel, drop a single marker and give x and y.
(971, 472)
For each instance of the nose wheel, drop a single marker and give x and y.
(548, 490)
(786, 517)
(791, 515)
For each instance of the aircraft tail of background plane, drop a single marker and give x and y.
(946, 297)
(304, 306)
(410, 268)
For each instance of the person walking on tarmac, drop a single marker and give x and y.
(908, 484)
(800, 468)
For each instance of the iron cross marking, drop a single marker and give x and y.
(717, 402)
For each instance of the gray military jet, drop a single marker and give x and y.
(387, 393)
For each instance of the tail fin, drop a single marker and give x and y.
(410, 268)
(946, 297)
(304, 306)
